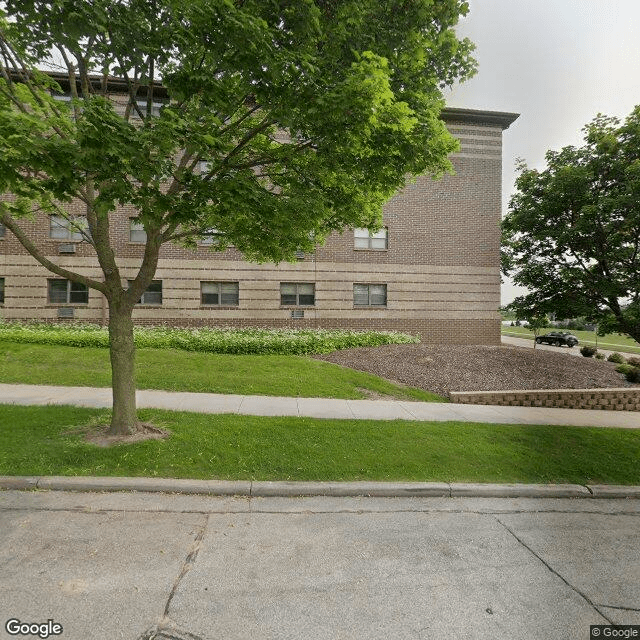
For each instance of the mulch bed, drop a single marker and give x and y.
(443, 369)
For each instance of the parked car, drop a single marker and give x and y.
(558, 339)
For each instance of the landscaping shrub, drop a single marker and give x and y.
(624, 368)
(576, 325)
(599, 356)
(617, 358)
(588, 352)
(634, 362)
(633, 375)
(210, 340)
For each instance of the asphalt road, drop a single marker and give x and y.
(574, 351)
(143, 566)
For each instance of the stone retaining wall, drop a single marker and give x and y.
(623, 399)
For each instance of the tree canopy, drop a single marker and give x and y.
(572, 233)
(354, 84)
(269, 122)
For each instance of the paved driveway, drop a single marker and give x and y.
(143, 566)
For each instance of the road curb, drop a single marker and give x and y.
(478, 490)
(151, 485)
(347, 489)
(330, 489)
(613, 491)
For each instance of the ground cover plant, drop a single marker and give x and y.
(210, 340)
(610, 342)
(46, 441)
(176, 370)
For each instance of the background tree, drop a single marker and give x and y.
(354, 84)
(536, 324)
(572, 234)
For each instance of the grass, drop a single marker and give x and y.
(176, 370)
(37, 441)
(609, 342)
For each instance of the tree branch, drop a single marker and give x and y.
(186, 234)
(265, 124)
(234, 124)
(147, 268)
(24, 240)
(99, 227)
(131, 87)
(13, 59)
(261, 162)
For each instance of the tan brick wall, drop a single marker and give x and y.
(623, 399)
(441, 267)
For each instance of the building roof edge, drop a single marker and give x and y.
(449, 114)
(477, 116)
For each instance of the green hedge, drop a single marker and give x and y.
(238, 341)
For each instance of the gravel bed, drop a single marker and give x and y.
(443, 369)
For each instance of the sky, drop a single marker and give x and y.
(558, 63)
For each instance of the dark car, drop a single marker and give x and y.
(558, 339)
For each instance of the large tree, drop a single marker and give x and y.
(572, 234)
(285, 120)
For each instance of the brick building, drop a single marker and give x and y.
(432, 270)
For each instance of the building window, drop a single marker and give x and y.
(153, 294)
(297, 293)
(370, 295)
(67, 292)
(224, 294)
(75, 228)
(1, 290)
(3, 230)
(203, 167)
(210, 238)
(142, 105)
(365, 239)
(136, 231)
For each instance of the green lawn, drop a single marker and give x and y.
(610, 342)
(39, 441)
(176, 370)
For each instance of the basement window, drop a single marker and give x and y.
(67, 292)
(297, 293)
(219, 294)
(153, 294)
(370, 295)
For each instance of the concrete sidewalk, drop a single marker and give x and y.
(319, 407)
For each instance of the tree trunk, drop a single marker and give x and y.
(124, 420)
